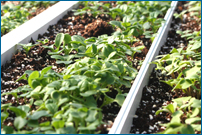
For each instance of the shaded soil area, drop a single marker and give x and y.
(157, 94)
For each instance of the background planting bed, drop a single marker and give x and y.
(15, 13)
(23, 34)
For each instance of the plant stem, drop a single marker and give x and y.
(173, 75)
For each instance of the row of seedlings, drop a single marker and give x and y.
(173, 96)
(15, 13)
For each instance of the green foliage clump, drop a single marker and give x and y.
(184, 67)
(13, 16)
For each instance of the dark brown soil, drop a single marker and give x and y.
(97, 28)
(143, 41)
(157, 94)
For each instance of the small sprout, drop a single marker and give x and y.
(27, 47)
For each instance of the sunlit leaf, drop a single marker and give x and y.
(192, 120)
(146, 25)
(59, 39)
(19, 122)
(88, 93)
(38, 114)
(17, 111)
(120, 99)
(58, 124)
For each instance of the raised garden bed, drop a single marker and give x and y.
(15, 13)
(25, 32)
(169, 107)
(126, 114)
(95, 56)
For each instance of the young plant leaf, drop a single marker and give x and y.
(146, 25)
(17, 111)
(116, 23)
(32, 76)
(24, 108)
(19, 122)
(58, 124)
(66, 130)
(67, 39)
(33, 123)
(78, 38)
(45, 124)
(88, 93)
(38, 114)
(124, 7)
(52, 107)
(192, 120)
(8, 129)
(59, 39)
(120, 99)
(4, 115)
(187, 129)
(45, 70)
(91, 116)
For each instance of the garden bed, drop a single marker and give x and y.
(25, 32)
(15, 13)
(158, 95)
(125, 116)
(37, 58)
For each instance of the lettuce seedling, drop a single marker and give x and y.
(187, 123)
(60, 38)
(27, 47)
(43, 42)
(184, 65)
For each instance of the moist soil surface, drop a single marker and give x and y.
(157, 94)
(37, 58)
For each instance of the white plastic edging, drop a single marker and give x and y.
(31, 29)
(123, 121)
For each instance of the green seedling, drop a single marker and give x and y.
(27, 47)
(43, 42)
(185, 113)
(184, 67)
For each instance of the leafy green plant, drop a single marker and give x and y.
(27, 47)
(132, 16)
(185, 113)
(193, 7)
(43, 42)
(183, 65)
